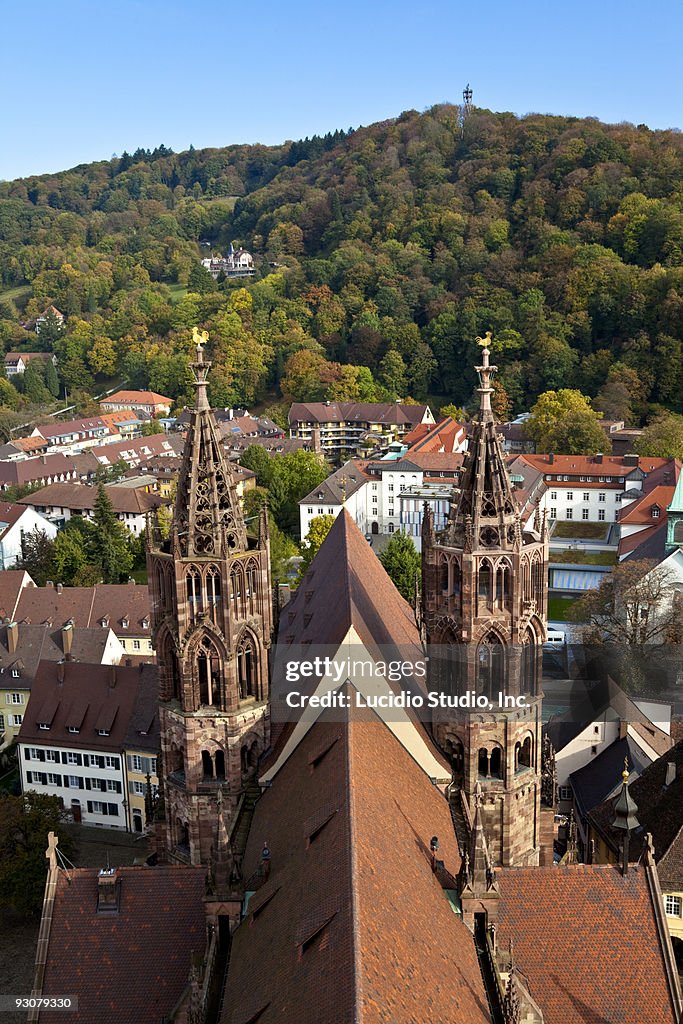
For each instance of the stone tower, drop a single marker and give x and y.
(212, 621)
(484, 604)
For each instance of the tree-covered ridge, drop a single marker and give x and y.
(393, 247)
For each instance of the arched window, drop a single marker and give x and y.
(247, 669)
(244, 759)
(503, 586)
(443, 575)
(213, 594)
(207, 765)
(236, 591)
(518, 747)
(208, 672)
(485, 588)
(483, 763)
(537, 581)
(491, 665)
(220, 764)
(526, 753)
(193, 585)
(251, 588)
(183, 836)
(456, 754)
(496, 763)
(169, 670)
(529, 664)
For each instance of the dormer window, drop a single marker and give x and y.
(655, 511)
(43, 725)
(125, 621)
(74, 728)
(100, 732)
(16, 673)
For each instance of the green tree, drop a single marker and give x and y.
(662, 438)
(150, 427)
(392, 373)
(51, 378)
(70, 563)
(24, 825)
(318, 530)
(563, 422)
(37, 556)
(403, 564)
(33, 383)
(109, 550)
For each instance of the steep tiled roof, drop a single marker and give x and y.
(356, 412)
(352, 924)
(78, 496)
(342, 483)
(639, 513)
(26, 471)
(586, 943)
(587, 465)
(129, 967)
(12, 583)
(660, 807)
(113, 691)
(647, 543)
(143, 397)
(446, 436)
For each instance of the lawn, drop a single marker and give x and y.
(583, 531)
(20, 295)
(178, 292)
(559, 608)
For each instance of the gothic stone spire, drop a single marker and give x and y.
(208, 519)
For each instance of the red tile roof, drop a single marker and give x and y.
(446, 436)
(141, 397)
(586, 465)
(639, 512)
(88, 606)
(129, 967)
(356, 412)
(73, 495)
(352, 924)
(586, 943)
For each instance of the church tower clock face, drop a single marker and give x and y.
(484, 604)
(211, 600)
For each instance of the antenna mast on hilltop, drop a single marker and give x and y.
(466, 108)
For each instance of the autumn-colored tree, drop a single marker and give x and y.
(563, 422)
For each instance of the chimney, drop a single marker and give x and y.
(623, 729)
(108, 888)
(60, 672)
(598, 458)
(112, 677)
(631, 459)
(67, 640)
(60, 588)
(551, 459)
(49, 583)
(670, 773)
(12, 637)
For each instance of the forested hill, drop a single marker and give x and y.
(381, 254)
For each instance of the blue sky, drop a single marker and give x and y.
(83, 79)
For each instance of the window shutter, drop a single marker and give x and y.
(27, 753)
(86, 760)
(89, 804)
(41, 755)
(119, 788)
(131, 787)
(146, 765)
(87, 784)
(130, 762)
(64, 758)
(29, 776)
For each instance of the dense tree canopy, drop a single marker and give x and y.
(381, 254)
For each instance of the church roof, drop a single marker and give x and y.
(130, 966)
(352, 924)
(587, 944)
(676, 503)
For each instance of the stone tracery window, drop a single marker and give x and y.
(208, 672)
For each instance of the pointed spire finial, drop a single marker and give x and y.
(625, 772)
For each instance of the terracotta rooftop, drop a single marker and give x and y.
(356, 412)
(640, 512)
(143, 397)
(75, 694)
(12, 582)
(88, 606)
(25, 471)
(77, 496)
(446, 436)
(130, 966)
(352, 924)
(586, 943)
(586, 465)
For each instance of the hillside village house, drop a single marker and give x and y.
(237, 263)
(147, 401)
(51, 311)
(335, 428)
(16, 362)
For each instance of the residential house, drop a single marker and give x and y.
(16, 522)
(149, 402)
(237, 263)
(51, 311)
(43, 470)
(338, 428)
(59, 502)
(73, 739)
(16, 362)
(599, 714)
(122, 608)
(75, 435)
(23, 646)
(658, 795)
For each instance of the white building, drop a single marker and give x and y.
(16, 521)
